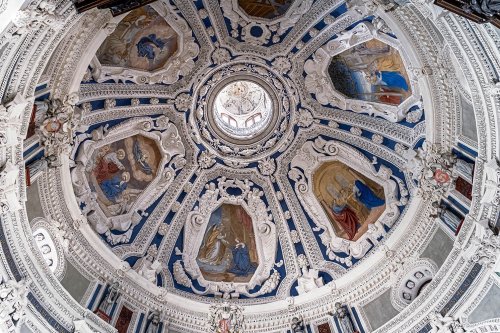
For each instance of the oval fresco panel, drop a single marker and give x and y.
(350, 200)
(228, 252)
(142, 40)
(371, 71)
(121, 171)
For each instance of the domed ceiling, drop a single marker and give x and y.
(244, 180)
(201, 160)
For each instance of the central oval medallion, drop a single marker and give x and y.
(242, 109)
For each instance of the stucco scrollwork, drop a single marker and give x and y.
(445, 324)
(33, 17)
(9, 200)
(57, 129)
(250, 198)
(432, 168)
(302, 167)
(10, 119)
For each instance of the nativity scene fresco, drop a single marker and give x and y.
(120, 172)
(371, 71)
(228, 252)
(268, 9)
(350, 200)
(143, 40)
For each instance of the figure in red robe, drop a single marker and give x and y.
(346, 218)
(108, 165)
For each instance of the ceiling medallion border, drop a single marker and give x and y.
(286, 102)
(262, 134)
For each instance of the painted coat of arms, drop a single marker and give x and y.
(225, 318)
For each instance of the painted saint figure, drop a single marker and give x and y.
(114, 187)
(143, 40)
(350, 200)
(147, 44)
(346, 217)
(241, 260)
(228, 250)
(371, 71)
(214, 247)
(109, 164)
(366, 196)
(141, 157)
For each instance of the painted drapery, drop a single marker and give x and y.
(228, 251)
(120, 171)
(350, 200)
(371, 71)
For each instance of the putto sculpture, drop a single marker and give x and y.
(344, 318)
(298, 325)
(106, 306)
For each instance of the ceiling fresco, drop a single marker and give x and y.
(148, 45)
(143, 40)
(351, 200)
(371, 71)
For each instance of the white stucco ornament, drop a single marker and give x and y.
(308, 159)
(13, 302)
(309, 280)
